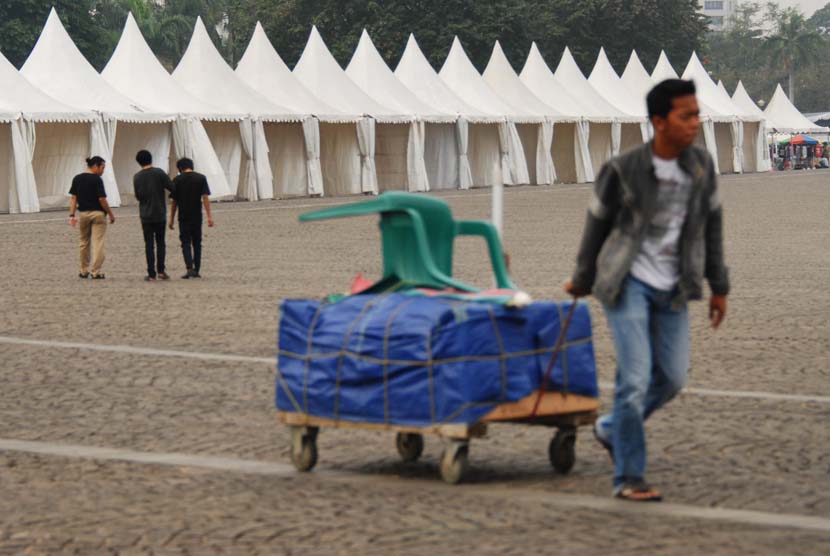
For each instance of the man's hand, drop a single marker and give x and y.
(575, 291)
(73, 221)
(717, 310)
(170, 225)
(210, 222)
(112, 218)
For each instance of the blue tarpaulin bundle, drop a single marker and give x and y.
(411, 360)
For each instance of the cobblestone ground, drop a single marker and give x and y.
(746, 453)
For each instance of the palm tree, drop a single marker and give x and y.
(794, 44)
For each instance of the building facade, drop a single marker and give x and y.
(719, 12)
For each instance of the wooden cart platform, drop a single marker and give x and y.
(565, 412)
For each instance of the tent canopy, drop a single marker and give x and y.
(538, 78)
(460, 75)
(371, 73)
(663, 70)
(636, 78)
(609, 85)
(715, 102)
(204, 74)
(262, 68)
(134, 70)
(18, 95)
(58, 68)
(783, 117)
(320, 73)
(502, 78)
(415, 71)
(745, 104)
(799, 140)
(595, 107)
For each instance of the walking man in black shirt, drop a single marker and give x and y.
(190, 193)
(90, 199)
(149, 185)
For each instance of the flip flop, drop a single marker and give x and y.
(638, 492)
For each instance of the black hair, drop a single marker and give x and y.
(184, 164)
(93, 161)
(144, 158)
(659, 99)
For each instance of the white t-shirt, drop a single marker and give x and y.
(657, 264)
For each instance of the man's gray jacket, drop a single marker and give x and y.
(623, 205)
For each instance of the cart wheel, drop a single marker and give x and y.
(410, 445)
(454, 461)
(562, 450)
(304, 447)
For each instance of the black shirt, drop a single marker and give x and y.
(88, 188)
(149, 185)
(189, 188)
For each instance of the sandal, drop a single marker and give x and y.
(98, 276)
(83, 275)
(637, 491)
(149, 278)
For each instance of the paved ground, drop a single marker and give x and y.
(728, 465)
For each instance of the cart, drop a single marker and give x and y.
(565, 412)
(417, 240)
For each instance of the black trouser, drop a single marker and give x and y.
(154, 234)
(190, 232)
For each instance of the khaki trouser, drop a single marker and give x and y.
(93, 226)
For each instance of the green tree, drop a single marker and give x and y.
(793, 45)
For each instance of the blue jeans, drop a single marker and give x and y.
(652, 344)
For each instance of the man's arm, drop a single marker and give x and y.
(600, 219)
(107, 209)
(137, 190)
(73, 205)
(206, 202)
(716, 271)
(168, 183)
(172, 212)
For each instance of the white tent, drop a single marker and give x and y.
(474, 160)
(368, 69)
(537, 138)
(783, 117)
(134, 70)
(608, 84)
(755, 154)
(611, 125)
(58, 68)
(24, 107)
(379, 133)
(636, 79)
(317, 165)
(746, 107)
(204, 74)
(459, 74)
(570, 140)
(729, 128)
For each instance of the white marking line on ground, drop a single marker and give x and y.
(749, 394)
(558, 500)
(218, 210)
(771, 396)
(139, 350)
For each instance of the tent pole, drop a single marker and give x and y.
(498, 208)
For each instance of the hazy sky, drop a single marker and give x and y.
(806, 6)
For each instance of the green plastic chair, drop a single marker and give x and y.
(417, 234)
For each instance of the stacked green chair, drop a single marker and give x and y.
(418, 235)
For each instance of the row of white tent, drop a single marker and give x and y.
(264, 131)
